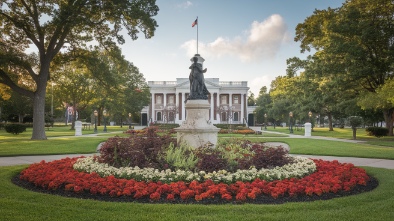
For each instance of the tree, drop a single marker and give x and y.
(18, 106)
(251, 99)
(354, 122)
(51, 26)
(355, 42)
(263, 102)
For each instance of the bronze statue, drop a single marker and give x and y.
(198, 90)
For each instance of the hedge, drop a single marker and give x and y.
(15, 128)
(377, 131)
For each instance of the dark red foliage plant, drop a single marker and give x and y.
(210, 160)
(136, 150)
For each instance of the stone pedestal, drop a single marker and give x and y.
(197, 130)
(308, 129)
(78, 128)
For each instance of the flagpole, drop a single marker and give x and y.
(197, 33)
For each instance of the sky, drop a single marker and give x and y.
(248, 40)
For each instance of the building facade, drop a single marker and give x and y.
(228, 100)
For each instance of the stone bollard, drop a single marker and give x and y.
(308, 129)
(78, 128)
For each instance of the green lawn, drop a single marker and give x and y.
(332, 148)
(61, 140)
(253, 135)
(20, 204)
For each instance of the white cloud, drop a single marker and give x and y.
(257, 83)
(186, 4)
(262, 41)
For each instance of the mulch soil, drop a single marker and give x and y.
(262, 199)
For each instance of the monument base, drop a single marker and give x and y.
(197, 130)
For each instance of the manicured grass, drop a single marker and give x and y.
(62, 145)
(342, 133)
(61, 140)
(332, 148)
(253, 135)
(20, 204)
(57, 131)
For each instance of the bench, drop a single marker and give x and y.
(86, 125)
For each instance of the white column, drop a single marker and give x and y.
(177, 105)
(230, 101)
(153, 108)
(211, 118)
(242, 108)
(218, 104)
(183, 107)
(165, 100)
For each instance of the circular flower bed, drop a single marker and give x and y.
(330, 179)
(147, 167)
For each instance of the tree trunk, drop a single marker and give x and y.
(330, 121)
(354, 132)
(388, 118)
(39, 112)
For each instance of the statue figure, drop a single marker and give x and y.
(198, 90)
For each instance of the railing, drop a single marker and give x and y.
(233, 83)
(162, 83)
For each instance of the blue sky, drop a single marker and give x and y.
(247, 40)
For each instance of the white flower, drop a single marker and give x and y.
(300, 167)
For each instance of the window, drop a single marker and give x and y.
(158, 99)
(236, 116)
(224, 116)
(224, 99)
(236, 99)
(171, 116)
(158, 118)
(171, 99)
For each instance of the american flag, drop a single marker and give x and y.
(195, 22)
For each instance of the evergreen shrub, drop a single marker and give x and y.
(15, 128)
(377, 131)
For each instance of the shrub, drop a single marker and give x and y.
(226, 126)
(247, 131)
(167, 126)
(28, 119)
(49, 120)
(224, 131)
(135, 150)
(265, 157)
(377, 131)
(15, 128)
(242, 128)
(210, 160)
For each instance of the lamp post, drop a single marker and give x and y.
(52, 100)
(265, 124)
(95, 121)
(254, 118)
(310, 119)
(290, 119)
(105, 122)
(129, 120)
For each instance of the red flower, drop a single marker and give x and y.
(329, 177)
(155, 196)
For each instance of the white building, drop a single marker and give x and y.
(228, 100)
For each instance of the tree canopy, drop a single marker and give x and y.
(48, 27)
(354, 49)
